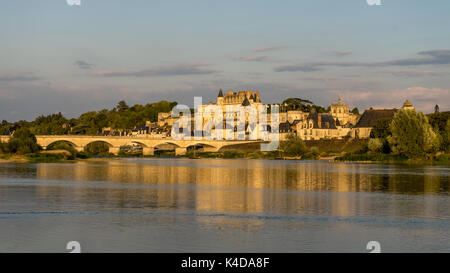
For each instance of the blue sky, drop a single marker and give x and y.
(55, 57)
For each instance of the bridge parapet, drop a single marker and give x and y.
(79, 142)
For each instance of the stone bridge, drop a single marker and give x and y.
(148, 144)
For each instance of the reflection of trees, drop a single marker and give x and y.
(238, 186)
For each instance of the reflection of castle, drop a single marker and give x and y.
(232, 186)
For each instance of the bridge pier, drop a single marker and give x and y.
(148, 151)
(180, 151)
(114, 150)
(79, 149)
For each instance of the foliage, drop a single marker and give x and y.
(412, 135)
(91, 123)
(23, 142)
(355, 111)
(97, 148)
(375, 145)
(302, 104)
(62, 145)
(230, 154)
(381, 129)
(44, 158)
(371, 157)
(293, 146)
(447, 137)
(440, 123)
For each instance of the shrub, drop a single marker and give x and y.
(375, 145)
(294, 146)
(23, 142)
(229, 154)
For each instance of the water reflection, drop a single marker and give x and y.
(228, 197)
(233, 186)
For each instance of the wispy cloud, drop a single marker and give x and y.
(253, 58)
(175, 70)
(431, 57)
(341, 53)
(269, 48)
(414, 73)
(83, 65)
(18, 77)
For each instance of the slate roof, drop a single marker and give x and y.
(326, 120)
(371, 116)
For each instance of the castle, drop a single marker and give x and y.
(338, 123)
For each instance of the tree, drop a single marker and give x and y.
(23, 142)
(294, 146)
(122, 106)
(446, 137)
(381, 129)
(355, 111)
(375, 145)
(412, 135)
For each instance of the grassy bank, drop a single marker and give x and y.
(442, 159)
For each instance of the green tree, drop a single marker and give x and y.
(97, 148)
(122, 106)
(355, 111)
(23, 142)
(293, 146)
(446, 137)
(412, 135)
(381, 129)
(375, 145)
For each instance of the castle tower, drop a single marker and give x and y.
(220, 98)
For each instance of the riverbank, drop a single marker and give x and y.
(440, 159)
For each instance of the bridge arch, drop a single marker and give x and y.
(166, 143)
(51, 143)
(101, 141)
(204, 146)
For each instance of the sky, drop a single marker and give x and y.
(55, 57)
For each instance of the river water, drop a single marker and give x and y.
(213, 205)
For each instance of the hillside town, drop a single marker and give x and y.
(336, 123)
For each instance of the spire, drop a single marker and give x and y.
(220, 94)
(246, 102)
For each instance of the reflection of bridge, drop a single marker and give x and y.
(148, 144)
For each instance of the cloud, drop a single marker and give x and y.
(175, 70)
(414, 73)
(253, 58)
(265, 49)
(431, 57)
(83, 65)
(341, 53)
(423, 98)
(18, 77)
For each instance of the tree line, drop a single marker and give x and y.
(91, 123)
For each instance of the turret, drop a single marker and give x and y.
(220, 98)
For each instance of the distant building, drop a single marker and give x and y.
(341, 112)
(365, 124)
(408, 105)
(370, 117)
(320, 125)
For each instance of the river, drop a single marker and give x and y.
(214, 205)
